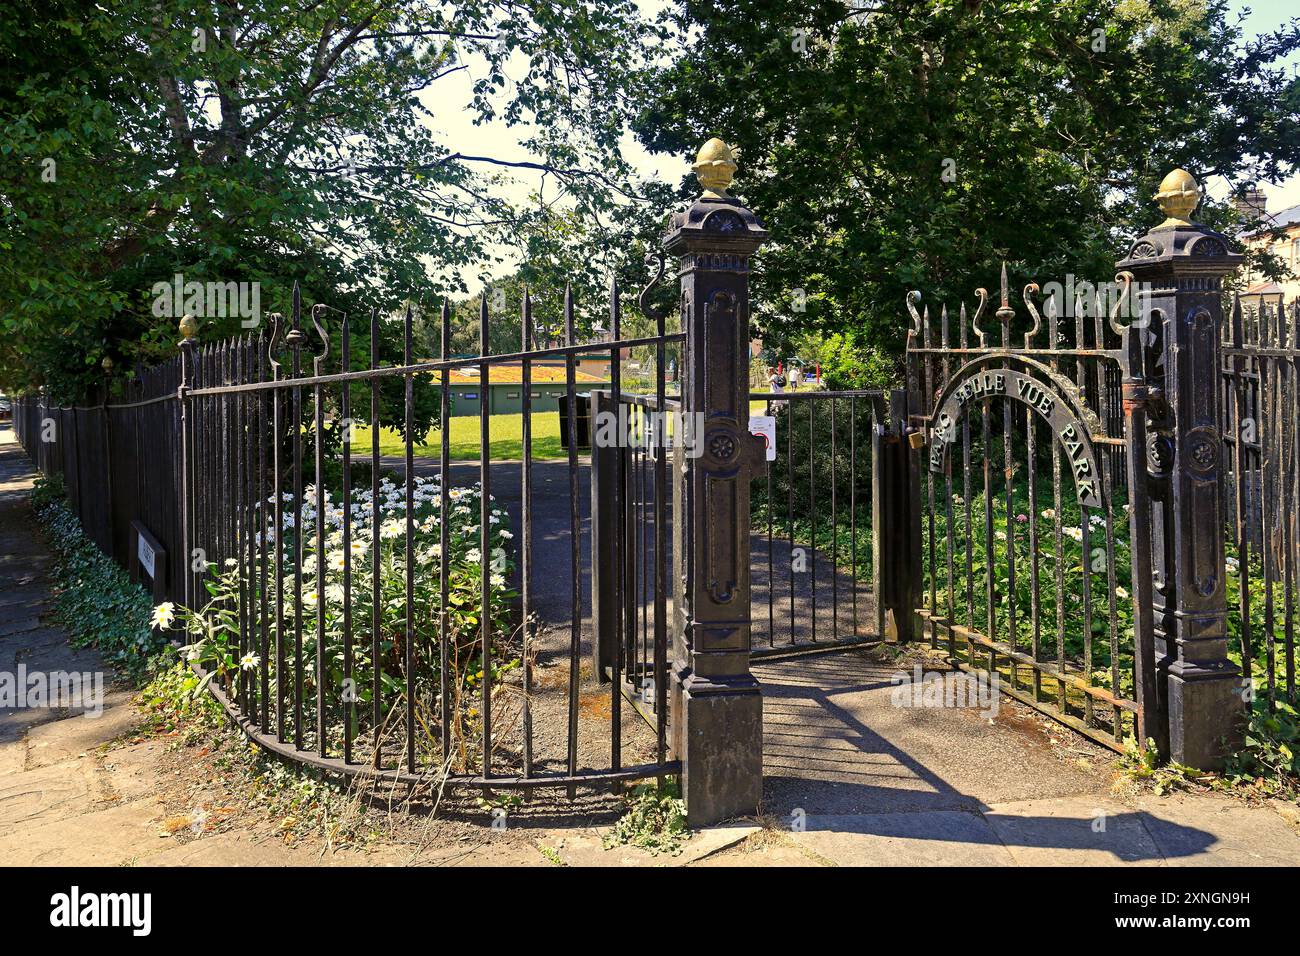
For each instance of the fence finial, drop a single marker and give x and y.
(913, 298)
(654, 262)
(983, 295)
(715, 166)
(1178, 196)
(1027, 295)
(1005, 312)
(1126, 279)
(189, 327)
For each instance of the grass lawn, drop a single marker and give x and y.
(507, 439)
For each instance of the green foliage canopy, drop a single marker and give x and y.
(259, 142)
(1053, 119)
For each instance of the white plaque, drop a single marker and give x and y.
(765, 427)
(145, 554)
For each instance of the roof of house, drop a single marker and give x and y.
(1281, 219)
(513, 374)
(1287, 217)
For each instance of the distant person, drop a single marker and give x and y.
(796, 378)
(776, 382)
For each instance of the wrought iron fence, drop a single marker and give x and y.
(368, 620)
(424, 662)
(119, 464)
(1260, 406)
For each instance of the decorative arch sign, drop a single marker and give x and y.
(1070, 430)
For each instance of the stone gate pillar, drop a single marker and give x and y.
(717, 710)
(1180, 266)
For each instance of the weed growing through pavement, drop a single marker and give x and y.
(654, 819)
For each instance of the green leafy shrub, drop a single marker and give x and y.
(172, 699)
(48, 491)
(1270, 758)
(95, 600)
(849, 364)
(1144, 766)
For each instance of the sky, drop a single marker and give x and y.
(458, 131)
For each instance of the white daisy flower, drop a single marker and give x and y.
(164, 614)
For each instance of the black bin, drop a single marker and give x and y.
(583, 423)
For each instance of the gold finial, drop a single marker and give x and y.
(107, 364)
(715, 165)
(189, 327)
(1179, 193)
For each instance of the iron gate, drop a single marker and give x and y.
(814, 552)
(1031, 537)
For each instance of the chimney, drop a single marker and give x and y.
(1250, 205)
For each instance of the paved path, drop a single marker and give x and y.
(823, 606)
(69, 793)
(58, 801)
(850, 778)
(873, 783)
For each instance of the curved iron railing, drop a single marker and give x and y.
(381, 631)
